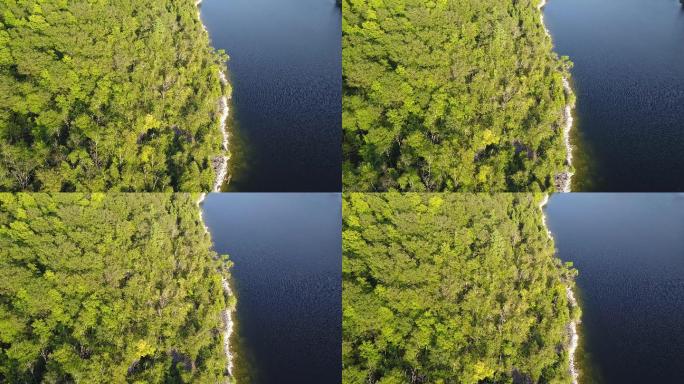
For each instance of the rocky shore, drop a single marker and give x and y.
(573, 335)
(227, 314)
(220, 164)
(563, 180)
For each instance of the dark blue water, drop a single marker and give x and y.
(629, 250)
(629, 81)
(287, 274)
(286, 73)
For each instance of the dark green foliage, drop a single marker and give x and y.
(107, 95)
(108, 289)
(452, 288)
(450, 95)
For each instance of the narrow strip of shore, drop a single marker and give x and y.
(572, 327)
(228, 332)
(226, 314)
(220, 163)
(222, 160)
(574, 337)
(565, 178)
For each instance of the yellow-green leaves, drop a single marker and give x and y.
(440, 286)
(439, 92)
(79, 77)
(82, 273)
(481, 371)
(143, 348)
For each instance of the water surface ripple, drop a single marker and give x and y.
(287, 275)
(629, 251)
(629, 82)
(286, 73)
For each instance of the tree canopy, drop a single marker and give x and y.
(102, 95)
(109, 289)
(451, 95)
(452, 288)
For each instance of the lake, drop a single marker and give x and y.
(629, 81)
(286, 73)
(287, 275)
(629, 250)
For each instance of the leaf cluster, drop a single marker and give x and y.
(109, 288)
(450, 95)
(452, 289)
(107, 95)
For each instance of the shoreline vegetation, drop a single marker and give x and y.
(453, 96)
(228, 312)
(136, 292)
(437, 286)
(221, 168)
(573, 325)
(564, 179)
(123, 97)
(220, 163)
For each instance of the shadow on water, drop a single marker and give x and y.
(286, 274)
(629, 84)
(628, 251)
(585, 171)
(286, 78)
(238, 146)
(588, 372)
(239, 149)
(244, 366)
(240, 152)
(585, 174)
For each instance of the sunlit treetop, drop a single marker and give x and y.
(451, 95)
(107, 96)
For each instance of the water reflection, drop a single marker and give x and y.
(288, 280)
(629, 251)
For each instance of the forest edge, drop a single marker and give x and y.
(227, 314)
(563, 179)
(220, 163)
(572, 326)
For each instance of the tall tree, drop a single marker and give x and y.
(452, 289)
(451, 95)
(107, 95)
(109, 289)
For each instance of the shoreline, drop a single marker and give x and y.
(220, 162)
(563, 179)
(226, 314)
(570, 294)
(574, 337)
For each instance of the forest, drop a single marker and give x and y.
(452, 289)
(451, 95)
(115, 288)
(108, 96)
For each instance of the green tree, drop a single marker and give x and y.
(452, 289)
(116, 288)
(450, 95)
(107, 96)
